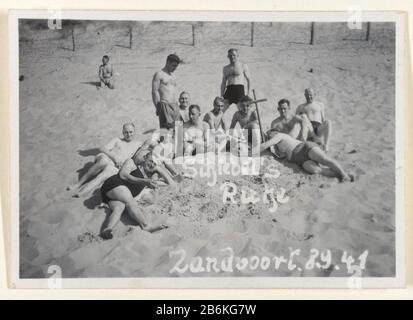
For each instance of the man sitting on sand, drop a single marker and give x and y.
(195, 132)
(297, 127)
(108, 161)
(106, 73)
(215, 118)
(315, 112)
(308, 155)
(164, 93)
(233, 75)
(183, 106)
(247, 118)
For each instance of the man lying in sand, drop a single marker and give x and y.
(247, 118)
(106, 73)
(308, 155)
(195, 132)
(315, 112)
(120, 190)
(233, 75)
(164, 93)
(298, 127)
(215, 118)
(108, 161)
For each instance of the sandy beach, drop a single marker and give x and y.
(64, 118)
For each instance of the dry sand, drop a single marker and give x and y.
(63, 118)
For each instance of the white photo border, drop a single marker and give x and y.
(399, 18)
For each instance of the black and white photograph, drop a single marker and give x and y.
(207, 149)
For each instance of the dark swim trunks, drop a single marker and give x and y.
(234, 93)
(300, 153)
(115, 181)
(168, 113)
(315, 124)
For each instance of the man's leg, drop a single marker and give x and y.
(306, 127)
(324, 132)
(101, 161)
(117, 208)
(318, 155)
(110, 83)
(93, 184)
(313, 168)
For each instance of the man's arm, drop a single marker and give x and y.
(247, 78)
(223, 82)
(156, 82)
(234, 120)
(322, 111)
(101, 73)
(125, 174)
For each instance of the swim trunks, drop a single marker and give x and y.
(300, 152)
(168, 113)
(115, 181)
(234, 93)
(315, 124)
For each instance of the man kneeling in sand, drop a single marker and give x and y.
(195, 132)
(108, 161)
(315, 112)
(298, 127)
(308, 155)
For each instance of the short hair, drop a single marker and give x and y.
(194, 106)
(173, 58)
(105, 57)
(309, 89)
(232, 50)
(128, 124)
(182, 93)
(283, 101)
(219, 99)
(245, 99)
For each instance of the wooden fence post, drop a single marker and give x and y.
(130, 38)
(252, 34)
(73, 39)
(368, 31)
(312, 33)
(193, 35)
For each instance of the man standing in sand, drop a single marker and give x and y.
(184, 106)
(233, 75)
(297, 127)
(307, 155)
(315, 112)
(108, 161)
(164, 93)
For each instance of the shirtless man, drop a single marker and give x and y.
(164, 93)
(106, 73)
(233, 75)
(308, 155)
(297, 127)
(247, 119)
(214, 118)
(184, 105)
(195, 132)
(315, 112)
(107, 162)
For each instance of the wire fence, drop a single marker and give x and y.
(133, 35)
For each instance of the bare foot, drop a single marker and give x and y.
(106, 234)
(72, 187)
(347, 178)
(154, 228)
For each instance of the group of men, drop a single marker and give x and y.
(301, 137)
